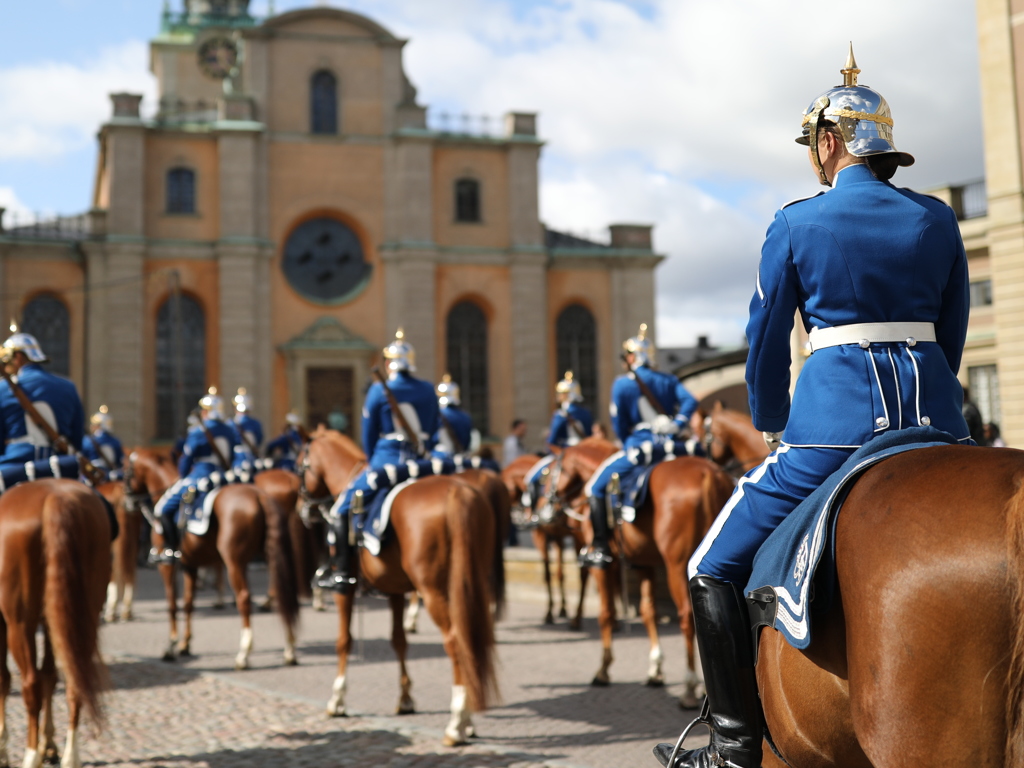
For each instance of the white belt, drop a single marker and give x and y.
(866, 334)
(18, 440)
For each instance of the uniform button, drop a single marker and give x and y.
(864, 343)
(911, 341)
(925, 421)
(882, 422)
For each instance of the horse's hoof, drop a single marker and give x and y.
(336, 712)
(655, 682)
(241, 665)
(185, 652)
(168, 656)
(291, 661)
(127, 616)
(599, 682)
(405, 709)
(563, 614)
(548, 619)
(452, 741)
(51, 756)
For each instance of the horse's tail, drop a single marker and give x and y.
(502, 522)
(281, 560)
(76, 540)
(1015, 680)
(468, 596)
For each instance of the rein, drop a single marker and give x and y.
(319, 503)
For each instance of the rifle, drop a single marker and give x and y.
(456, 443)
(248, 443)
(213, 444)
(58, 442)
(396, 411)
(644, 389)
(575, 426)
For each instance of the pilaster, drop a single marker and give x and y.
(410, 289)
(119, 378)
(528, 286)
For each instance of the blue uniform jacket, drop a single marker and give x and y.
(461, 424)
(558, 432)
(382, 440)
(197, 457)
(630, 410)
(253, 430)
(288, 444)
(57, 401)
(863, 252)
(102, 447)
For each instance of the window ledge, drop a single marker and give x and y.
(183, 214)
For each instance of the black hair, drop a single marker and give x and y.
(517, 422)
(883, 166)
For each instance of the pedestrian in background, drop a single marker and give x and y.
(513, 447)
(973, 418)
(993, 436)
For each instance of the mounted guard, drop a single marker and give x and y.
(283, 450)
(102, 447)
(879, 276)
(650, 413)
(400, 418)
(457, 440)
(204, 464)
(250, 435)
(570, 423)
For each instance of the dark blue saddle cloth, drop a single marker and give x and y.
(797, 562)
(193, 497)
(374, 522)
(634, 490)
(55, 466)
(645, 458)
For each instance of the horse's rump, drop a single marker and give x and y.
(928, 555)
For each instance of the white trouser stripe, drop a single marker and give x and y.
(723, 516)
(588, 489)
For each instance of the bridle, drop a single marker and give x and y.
(320, 504)
(560, 502)
(729, 463)
(136, 500)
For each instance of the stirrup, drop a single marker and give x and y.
(703, 718)
(327, 577)
(166, 556)
(594, 558)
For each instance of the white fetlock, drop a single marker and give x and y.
(33, 759)
(110, 613)
(412, 615)
(289, 649)
(71, 758)
(126, 602)
(318, 599)
(654, 671)
(244, 649)
(457, 731)
(336, 704)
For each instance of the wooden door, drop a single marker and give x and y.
(330, 399)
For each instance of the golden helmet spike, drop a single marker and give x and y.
(104, 409)
(568, 375)
(643, 332)
(212, 391)
(850, 71)
(399, 334)
(14, 325)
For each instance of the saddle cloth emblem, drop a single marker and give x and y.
(803, 557)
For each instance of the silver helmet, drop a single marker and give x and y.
(861, 114)
(213, 404)
(640, 347)
(242, 401)
(448, 392)
(569, 390)
(23, 342)
(101, 419)
(400, 354)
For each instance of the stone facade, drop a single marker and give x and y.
(285, 123)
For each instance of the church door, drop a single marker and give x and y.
(329, 399)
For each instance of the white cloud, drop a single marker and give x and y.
(15, 211)
(53, 108)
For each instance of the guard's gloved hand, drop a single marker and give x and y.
(664, 425)
(772, 439)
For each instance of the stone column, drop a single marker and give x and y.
(121, 336)
(632, 289)
(531, 395)
(411, 278)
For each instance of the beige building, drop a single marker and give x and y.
(285, 210)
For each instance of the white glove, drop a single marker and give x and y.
(664, 425)
(772, 439)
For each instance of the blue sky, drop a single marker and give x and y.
(678, 113)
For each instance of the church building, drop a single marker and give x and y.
(285, 209)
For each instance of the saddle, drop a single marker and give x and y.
(197, 499)
(794, 574)
(55, 466)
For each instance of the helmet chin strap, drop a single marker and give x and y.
(812, 121)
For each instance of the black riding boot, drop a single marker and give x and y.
(170, 553)
(597, 555)
(727, 655)
(337, 575)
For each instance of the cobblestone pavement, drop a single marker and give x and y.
(200, 712)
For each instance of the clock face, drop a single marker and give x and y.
(323, 261)
(217, 57)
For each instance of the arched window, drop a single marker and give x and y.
(467, 200)
(180, 363)
(576, 334)
(467, 360)
(181, 190)
(323, 103)
(46, 318)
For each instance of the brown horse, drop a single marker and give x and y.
(54, 568)
(921, 660)
(244, 520)
(552, 532)
(437, 525)
(124, 552)
(732, 441)
(685, 495)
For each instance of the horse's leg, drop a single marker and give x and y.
(5, 690)
(21, 638)
(343, 602)
(649, 614)
(406, 705)
(689, 698)
(460, 727)
(189, 579)
(412, 615)
(115, 589)
(560, 574)
(606, 621)
(577, 622)
(48, 674)
(243, 600)
(129, 564)
(541, 542)
(218, 584)
(171, 590)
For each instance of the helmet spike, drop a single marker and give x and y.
(568, 375)
(212, 390)
(643, 331)
(850, 71)
(399, 334)
(14, 325)
(104, 409)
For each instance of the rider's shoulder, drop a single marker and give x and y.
(798, 203)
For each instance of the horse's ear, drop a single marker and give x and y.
(718, 407)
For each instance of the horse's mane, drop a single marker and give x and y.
(339, 440)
